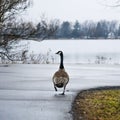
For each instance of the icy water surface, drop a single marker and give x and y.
(80, 51)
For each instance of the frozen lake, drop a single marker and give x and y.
(75, 51)
(80, 51)
(27, 92)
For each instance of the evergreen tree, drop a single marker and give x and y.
(76, 30)
(98, 31)
(65, 30)
(119, 31)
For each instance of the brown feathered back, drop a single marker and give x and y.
(60, 77)
(61, 73)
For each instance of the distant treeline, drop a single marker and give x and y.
(71, 30)
(88, 30)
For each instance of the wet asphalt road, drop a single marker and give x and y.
(27, 92)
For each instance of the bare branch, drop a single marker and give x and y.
(11, 31)
(5, 54)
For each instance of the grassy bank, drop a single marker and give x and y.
(97, 104)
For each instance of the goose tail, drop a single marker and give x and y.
(59, 85)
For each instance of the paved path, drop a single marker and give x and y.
(27, 93)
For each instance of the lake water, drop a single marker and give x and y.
(80, 51)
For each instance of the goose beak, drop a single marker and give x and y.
(59, 52)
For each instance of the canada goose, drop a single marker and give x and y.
(60, 78)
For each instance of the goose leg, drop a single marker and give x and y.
(63, 90)
(63, 93)
(55, 88)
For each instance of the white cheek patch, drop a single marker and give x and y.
(59, 53)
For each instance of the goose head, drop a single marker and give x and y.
(59, 53)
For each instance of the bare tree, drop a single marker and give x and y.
(9, 8)
(11, 30)
(8, 11)
(45, 29)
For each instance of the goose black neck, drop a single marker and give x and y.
(61, 61)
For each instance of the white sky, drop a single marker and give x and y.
(72, 10)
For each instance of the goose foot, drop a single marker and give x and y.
(62, 94)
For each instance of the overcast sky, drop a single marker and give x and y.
(72, 10)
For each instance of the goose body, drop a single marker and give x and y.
(60, 78)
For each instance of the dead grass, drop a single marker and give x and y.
(97, 105)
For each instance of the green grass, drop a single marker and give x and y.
(97, 105)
